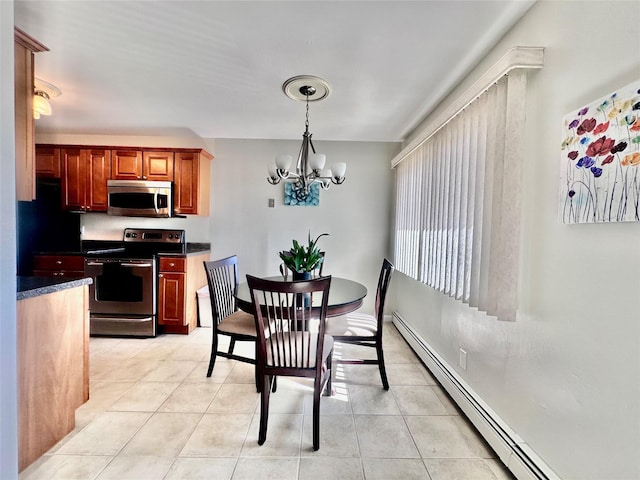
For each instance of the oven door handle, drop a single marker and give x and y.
(93, 264)
(136, 264)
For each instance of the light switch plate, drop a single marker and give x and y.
(272, 202)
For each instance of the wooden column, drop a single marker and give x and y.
(25, 47)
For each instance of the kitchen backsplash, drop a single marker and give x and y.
(98, 226)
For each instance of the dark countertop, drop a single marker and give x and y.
(59, 253)
(190, 248)
(29, 287)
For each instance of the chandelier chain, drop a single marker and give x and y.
(306, 123)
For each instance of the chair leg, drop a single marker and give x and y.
(383, 370)
(316, 412)
(329, 388)
(232, 344)
(214, 353)
(264, 408)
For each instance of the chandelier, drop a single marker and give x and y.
(309, 167)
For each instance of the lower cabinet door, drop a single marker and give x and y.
(171, 298)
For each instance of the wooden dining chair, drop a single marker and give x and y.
(222, 278)
(290, 320)
(364, 329)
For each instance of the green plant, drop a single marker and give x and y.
(302, 258)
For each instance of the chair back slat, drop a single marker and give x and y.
(290, 321)
(222, 278)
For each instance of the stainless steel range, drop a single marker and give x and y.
(123, 296)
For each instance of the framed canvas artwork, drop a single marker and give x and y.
(313, 199)
(600, 160)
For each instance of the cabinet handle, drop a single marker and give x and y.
(160, 275)
(172, 264)
(58, 262)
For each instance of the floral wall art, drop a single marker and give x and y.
(600, 161)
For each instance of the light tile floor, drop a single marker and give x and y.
(153, 414)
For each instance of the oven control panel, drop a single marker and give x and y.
(154, 235)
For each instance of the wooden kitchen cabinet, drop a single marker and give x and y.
(24, 49)
(157, 165)
(171, 291)
(142, 165)
(192, 182)
(178, 280)
(48, 163)
(52, 342)
(84, 178)
(85, 171)
(69, 266)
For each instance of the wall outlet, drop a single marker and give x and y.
(462, 359)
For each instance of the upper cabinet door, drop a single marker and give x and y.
(98, 172)
(192, 183)
(74, 178)
(157, 166)
(48, 162)
(126, 165)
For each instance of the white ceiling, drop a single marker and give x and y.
(216, 68)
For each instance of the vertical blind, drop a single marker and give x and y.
(457, 226)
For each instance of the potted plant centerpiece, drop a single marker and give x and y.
(301, 259)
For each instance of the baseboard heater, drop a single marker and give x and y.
(510, 448)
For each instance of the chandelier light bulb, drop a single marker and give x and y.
(338, 170)
(273, 171)
(317, 161)
(283, 162)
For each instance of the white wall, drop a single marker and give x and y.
(355, 214)
(8, 378)
(566, 375)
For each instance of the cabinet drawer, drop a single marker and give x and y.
(53, 273)
(173, 264)
(58, 262)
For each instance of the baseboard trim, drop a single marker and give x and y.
(510, 448)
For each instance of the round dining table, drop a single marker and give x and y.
(345, 296)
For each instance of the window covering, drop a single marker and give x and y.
(457, 226)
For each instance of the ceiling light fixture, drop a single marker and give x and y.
(42, 93)
(41, 105)
(309, 167)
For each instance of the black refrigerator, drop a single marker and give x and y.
(43, 227)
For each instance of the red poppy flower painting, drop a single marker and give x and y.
(600, 173)
(602, 127)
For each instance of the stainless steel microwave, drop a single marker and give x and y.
(140, 198)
